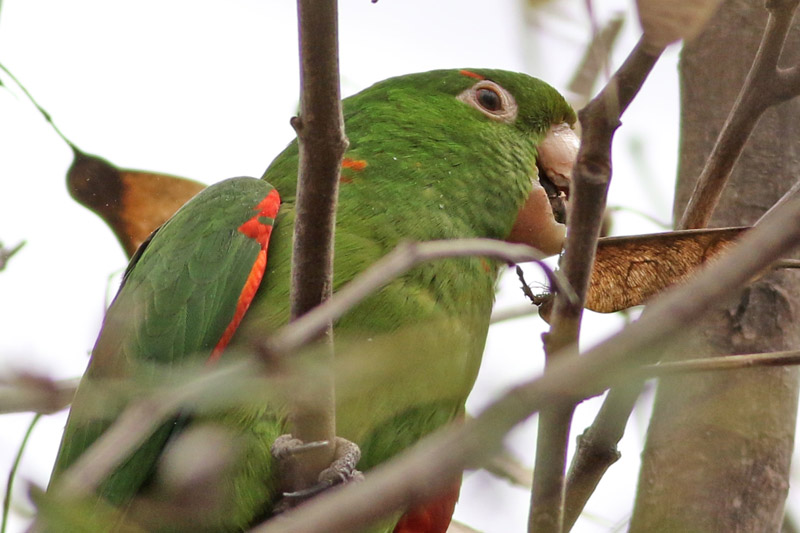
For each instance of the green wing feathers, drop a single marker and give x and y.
(182, 296)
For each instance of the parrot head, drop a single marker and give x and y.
(482, 153)
(542, 114)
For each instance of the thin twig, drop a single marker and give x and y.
(728, 362)
(28, 393)
(404, 257)
(423, 471)
(589, 188)
(597, 445)
(322, 144)
(510, 313)
(6, 254)
(40, 109)
(12, 474)
(596, 57)
(764, 87)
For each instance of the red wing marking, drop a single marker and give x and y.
(354, 164)
(260, 230)
(255, 228)
(431, 517)
(470, 74)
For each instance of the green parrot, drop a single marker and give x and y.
(445, 154)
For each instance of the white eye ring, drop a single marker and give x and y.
(492, 100)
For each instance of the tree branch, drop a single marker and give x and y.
(6, 253)
(404, 257)
(38, 394)
(764, 87)
(322, 144)
(728, 362)
(589, 188)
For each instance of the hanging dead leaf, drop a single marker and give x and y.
(133, 203)
(667, 21)
(629, 270)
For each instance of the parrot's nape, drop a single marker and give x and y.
(437, 155)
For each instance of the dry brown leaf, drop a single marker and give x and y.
(133, 203)
(629, 270)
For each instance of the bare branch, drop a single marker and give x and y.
(6, 254)
(29, 393)
(404, 257)
(764, 87)
(322, 144)
(728, 362)
(595, 60)
(12, 474)
(589, 189)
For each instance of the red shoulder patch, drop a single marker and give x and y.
(259, 228)
(354, 164)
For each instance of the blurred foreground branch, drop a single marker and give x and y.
(766, 85)
(6, 253)
(243, 379)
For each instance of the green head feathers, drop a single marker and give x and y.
(441, 154)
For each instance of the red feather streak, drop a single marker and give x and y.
(260, 232)
(470, 74)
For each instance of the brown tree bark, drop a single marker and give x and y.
(719, 444)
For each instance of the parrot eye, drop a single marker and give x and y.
(489, 99)
(492, 100)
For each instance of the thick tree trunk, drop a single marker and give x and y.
(719, 445)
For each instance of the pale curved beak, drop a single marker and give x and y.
(541, 222)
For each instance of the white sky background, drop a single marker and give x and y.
(205, 90)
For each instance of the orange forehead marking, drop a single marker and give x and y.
(470, 74)
(354, 164)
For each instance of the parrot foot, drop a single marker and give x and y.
(287, 449)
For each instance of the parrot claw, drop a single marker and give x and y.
(342, 469)
(286, 446)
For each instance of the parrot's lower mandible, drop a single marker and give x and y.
(446, 154)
